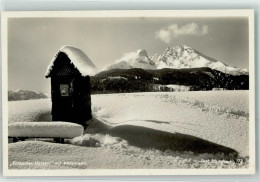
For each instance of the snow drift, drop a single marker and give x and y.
(145, 130)
(78, 58)
(45, 129)
(218, 117)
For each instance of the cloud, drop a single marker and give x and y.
(130, 56)
(174, 30)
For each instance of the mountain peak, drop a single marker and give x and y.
(183, 56)
(138, 59)
(176, 57)
(185, 46)
(142, 52)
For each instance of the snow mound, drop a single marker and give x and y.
(218, 117)
(45, 129)
(78, 58)
(138, 59)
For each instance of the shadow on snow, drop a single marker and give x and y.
(148, 138)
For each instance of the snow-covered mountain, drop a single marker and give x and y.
(26, 95)
(178, 57)
(138, 59)
(185, 57)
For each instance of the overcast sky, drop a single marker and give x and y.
(33, 42)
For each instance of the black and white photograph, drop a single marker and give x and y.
(128, 92)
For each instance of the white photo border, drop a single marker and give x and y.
(128, 13)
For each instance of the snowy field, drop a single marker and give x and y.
(144, 130)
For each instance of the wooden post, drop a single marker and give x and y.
(59, 140)
(14, 139)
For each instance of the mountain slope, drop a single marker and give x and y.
(185, 57)
(178, 57)
(26, 95)
(138, 59)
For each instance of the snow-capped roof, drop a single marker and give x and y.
(78, 58)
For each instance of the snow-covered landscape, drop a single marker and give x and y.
(152, 91)
(143, 130)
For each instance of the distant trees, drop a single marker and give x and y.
(139, 80)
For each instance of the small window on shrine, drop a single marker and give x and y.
(64, 90)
